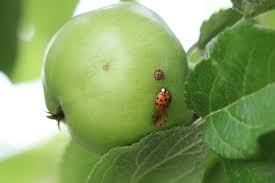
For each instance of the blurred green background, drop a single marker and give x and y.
(26, 28)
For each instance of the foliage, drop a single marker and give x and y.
(209, 29)
(232, 89)
(250, 8)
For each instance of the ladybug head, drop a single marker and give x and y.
(165, 90)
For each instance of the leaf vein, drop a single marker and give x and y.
(221, 139)
(211, 92)
(178, 142)
(246, 70)
(236, 119)
(110, 167)
(169, 158)
(182, 175)
(144, 160)
(269, 65)
(240, 99)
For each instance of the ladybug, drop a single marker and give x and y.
(163, 99)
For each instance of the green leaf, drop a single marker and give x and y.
(76, 163)
(194, 56)
(9, 18)
(251, 8)
(234, 90)
(39, 20)
(267, 19)
(175, 155)
(37, 165)
(260, 169)
(216, 24)
(210, 28)
(250, 171)
(216, 174)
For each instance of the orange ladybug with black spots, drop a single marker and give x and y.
(163, 99)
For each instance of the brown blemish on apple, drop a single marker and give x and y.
(159, 118)
(106, 67)
(159, 74)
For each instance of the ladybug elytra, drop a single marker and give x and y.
(163, 99)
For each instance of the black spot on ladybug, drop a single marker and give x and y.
(157, 98)
(159, 74)
(163, 105)
(161, 100)
(157, 103)
(164, 95)
(165, 99)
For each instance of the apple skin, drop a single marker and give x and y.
(99, 68)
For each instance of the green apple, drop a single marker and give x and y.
(77, 163)
(99, 75)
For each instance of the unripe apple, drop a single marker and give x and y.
(100, 77)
